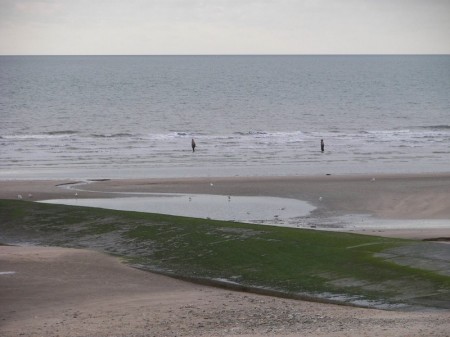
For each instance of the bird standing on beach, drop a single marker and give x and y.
(193, 145)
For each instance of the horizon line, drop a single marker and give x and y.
(325, 54)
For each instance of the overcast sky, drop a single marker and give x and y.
(48, 27)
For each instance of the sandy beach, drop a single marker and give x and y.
(66, 292)
(387, 197)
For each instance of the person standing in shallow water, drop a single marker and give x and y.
(193, 145)
(322, 145)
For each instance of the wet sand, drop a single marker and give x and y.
(400, 197)
(387, 196)
(63, 292)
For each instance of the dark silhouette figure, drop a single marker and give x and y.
(322, 145)
(193, 145)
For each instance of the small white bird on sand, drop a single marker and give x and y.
(373, 179)
(320, 198)
(19, 196)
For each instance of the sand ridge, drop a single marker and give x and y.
(388, 196)
(409, 197)
(69, 292)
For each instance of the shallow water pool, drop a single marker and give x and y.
(219, 207)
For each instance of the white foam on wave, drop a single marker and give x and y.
(261, 152)
(38, 136)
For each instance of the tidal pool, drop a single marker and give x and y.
(219, 207)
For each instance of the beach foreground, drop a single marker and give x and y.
(55, 291)
(69, 292)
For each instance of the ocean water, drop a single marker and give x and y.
(134, 116)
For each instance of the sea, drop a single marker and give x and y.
(102, 117)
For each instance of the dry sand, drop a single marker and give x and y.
(62, 292)
(68, 292)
